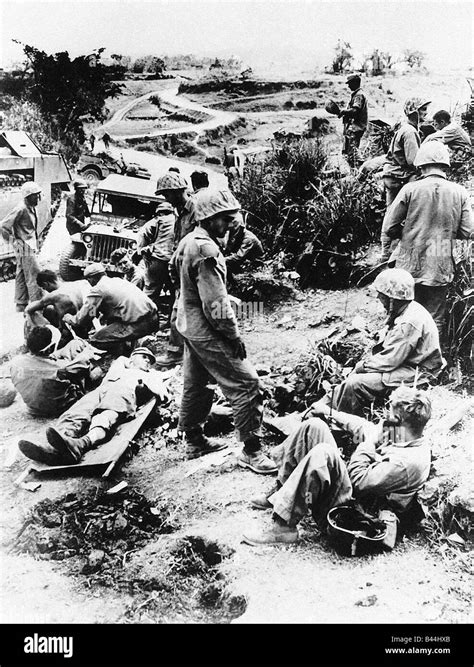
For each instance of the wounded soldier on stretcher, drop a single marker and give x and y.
(129, 383)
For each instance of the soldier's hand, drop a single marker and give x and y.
(238, 348)
(317, 409)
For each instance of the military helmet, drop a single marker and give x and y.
(354, 533)
(145, 352)
(30, 188)
(412, 104)
(396, 284)
(208, 203)
(432, 152)
(170, 181)
(79, 183)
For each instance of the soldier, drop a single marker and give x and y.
(61, 298)
(134, 273)
(128, 384)
(355, 119)
(21, 228)
(199, 180)
(174, 189)
(399, 168)
(408, 349)
(385, 471)
(428, 216)
(129, 313)
(243, 249)
(77, 209)
(214, 350)
(155, 245)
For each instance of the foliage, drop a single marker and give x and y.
(266, 284)
(413, 58)
(151, 64)
(318, 221)
(378, 63)
(343, 58)
(460, 312)
(67, 92)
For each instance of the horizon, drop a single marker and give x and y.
(298, 34)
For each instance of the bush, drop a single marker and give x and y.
(460, 314)
(319, 222)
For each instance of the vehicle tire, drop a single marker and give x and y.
(91, 175)
(66, 271)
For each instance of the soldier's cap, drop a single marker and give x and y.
(94, 270)
(352, 77)
(30, 188)
(145, 352)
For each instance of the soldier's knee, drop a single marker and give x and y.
(321, 454)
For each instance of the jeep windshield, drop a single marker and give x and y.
(124, 199)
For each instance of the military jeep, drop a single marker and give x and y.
(120, 206)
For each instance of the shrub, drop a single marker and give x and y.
(319, 222)
(460, 314)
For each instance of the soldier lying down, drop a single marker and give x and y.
(128, 384)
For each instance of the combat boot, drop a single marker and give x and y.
(198, 445)
(70, 449)
(42, 453)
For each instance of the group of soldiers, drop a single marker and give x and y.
(182, 251)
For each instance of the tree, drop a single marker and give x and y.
(343, 58)
(413, 58)
(68, 92)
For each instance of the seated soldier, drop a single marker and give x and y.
(128, 384)
(243, 249)
(134, 273)
(61, 298)
(50, 380)
(129, 313)
(408, 349)
(387, 469)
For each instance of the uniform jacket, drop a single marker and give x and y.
(453, 135)
(158, 235)
(21, 226)
(117, 389)
(242, 245)
(204, 309)
(401, 153)
(76, 213)
(117, 299)
(357, 121)
(427, 216)
(411, 340)
(185, 222)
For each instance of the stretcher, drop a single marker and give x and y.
(102, 459)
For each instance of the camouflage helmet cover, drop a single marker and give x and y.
(396, 284)
(170, 181)
(432, 152)
(208, 203)
(412, 104)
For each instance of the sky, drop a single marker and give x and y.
(299, 33)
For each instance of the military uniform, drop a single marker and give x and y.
(243, 249)
(355, 125)
(129, 313)
(207, 323)
(156, 239)
(398, 168)
(21, 228)
(408, 347)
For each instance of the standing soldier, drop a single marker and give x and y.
(428, 216)
(21, 227)
(399, 168)
(175, 190)
(214, 351)
(155, 245)
(354, 119)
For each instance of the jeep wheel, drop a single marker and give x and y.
(91, 175)
(66, 271)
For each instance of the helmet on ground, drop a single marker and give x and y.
(145, 352)
(412, 104)
(353, 532)
(30, 188)
(170, 181)
(211, 202)
(432, 152)
(79, 183)
(396, 284)
(94, 270)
